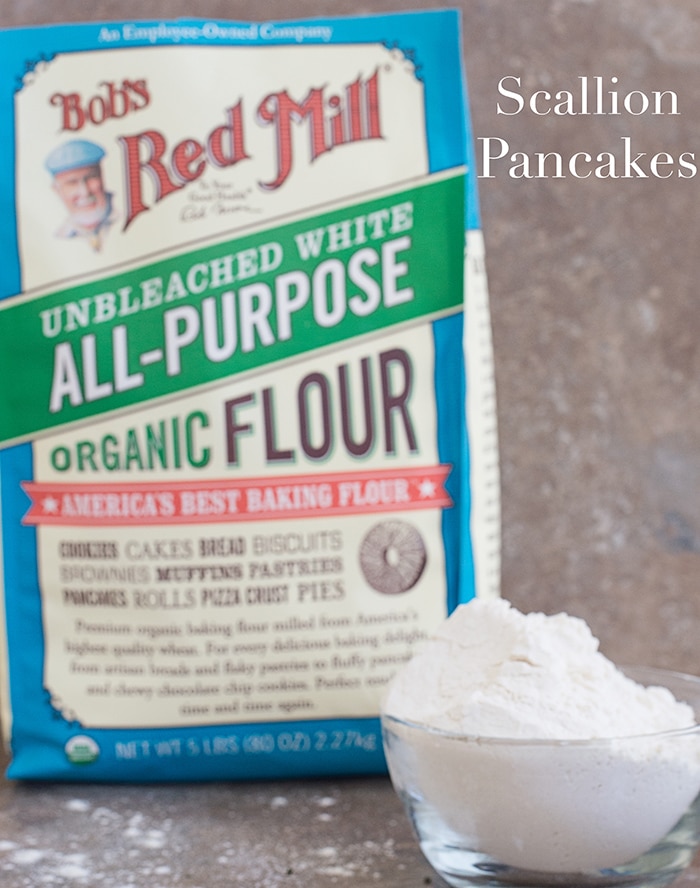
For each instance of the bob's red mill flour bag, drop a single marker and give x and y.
(237, 483)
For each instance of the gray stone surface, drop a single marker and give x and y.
(594, 297)
(595, 324)
(258, 835)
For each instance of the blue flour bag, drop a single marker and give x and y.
(242, 472)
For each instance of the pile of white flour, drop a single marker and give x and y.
(568, 806)
(491, 671)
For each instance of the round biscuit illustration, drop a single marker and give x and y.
(392, 557)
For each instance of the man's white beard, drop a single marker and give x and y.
(91, 217)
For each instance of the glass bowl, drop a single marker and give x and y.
(498, 812)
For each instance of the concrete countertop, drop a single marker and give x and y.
(258, 835)
(315, 834)
(594, 307)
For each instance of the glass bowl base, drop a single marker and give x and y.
(462, 867)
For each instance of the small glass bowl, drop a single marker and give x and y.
(495, 812)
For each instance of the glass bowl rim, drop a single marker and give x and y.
(387, 720)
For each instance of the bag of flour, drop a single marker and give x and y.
(237, 486)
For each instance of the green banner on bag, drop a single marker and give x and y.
(207, 314)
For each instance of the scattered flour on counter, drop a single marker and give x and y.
(50, 867)
(333, 867)
(134, 850)
(344, 872)
(106, 816)
(145, 837)
(74, 866)
(79, 805)
(27, 856)
(86, 844)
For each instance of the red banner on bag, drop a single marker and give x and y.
(229, 500)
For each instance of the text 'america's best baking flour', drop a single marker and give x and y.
(245, 470)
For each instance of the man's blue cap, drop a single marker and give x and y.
(73, 154)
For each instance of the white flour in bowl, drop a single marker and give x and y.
(591, 778)
(491, 671)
